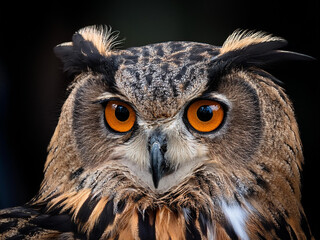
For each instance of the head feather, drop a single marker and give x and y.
(249, 48)
(240, 39)
(90, 49)
(102, 38)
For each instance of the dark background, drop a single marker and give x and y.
(32, 85)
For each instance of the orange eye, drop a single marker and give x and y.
(119, 116)
(205, 115)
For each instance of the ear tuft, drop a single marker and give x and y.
(249, 48)
(101, 37)
(240, 39)
(89, 49)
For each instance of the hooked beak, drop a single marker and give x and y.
(159, 166)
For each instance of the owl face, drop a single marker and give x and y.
(182, 127)
(162, 111)
(163, 116)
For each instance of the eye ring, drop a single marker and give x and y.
(119, 116)
(205, 115)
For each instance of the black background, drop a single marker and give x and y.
(32, 85)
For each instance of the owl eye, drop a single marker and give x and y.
(205, 115)
(119, 116)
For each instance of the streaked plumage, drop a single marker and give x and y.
(166, 178)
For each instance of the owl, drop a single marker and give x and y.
(175, 140)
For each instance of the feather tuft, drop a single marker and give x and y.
(91, 49)
(241, 39)
(102, 37)
(248, 48)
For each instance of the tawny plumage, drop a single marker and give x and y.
(175, 140)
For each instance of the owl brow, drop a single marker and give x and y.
(107, 96)
(216, 96)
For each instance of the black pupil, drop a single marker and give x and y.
(122, 113)
(205, 113)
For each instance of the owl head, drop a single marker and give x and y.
(183, 128)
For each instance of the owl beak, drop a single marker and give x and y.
(158, 164)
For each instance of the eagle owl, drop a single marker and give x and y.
(174, 140)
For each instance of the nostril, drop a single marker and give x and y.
(164, 147)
